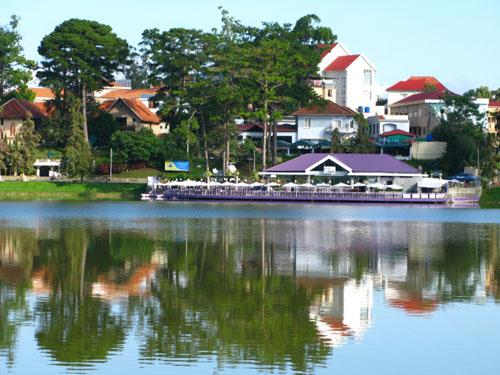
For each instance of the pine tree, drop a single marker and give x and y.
(28, 141)
(77, 158)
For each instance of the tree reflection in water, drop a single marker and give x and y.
(275, 294)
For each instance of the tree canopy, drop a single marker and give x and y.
(15, 68)
(81, 56)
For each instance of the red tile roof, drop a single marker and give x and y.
(42, 92)
(396, 132)
(494, 103)
(129, 93)
(330, 108)
(341, 63)
(417, 84)
(136, 106)
(433, 95)
(19, 109)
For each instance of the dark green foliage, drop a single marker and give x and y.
(361, 144)
(15, 69)
(56, 129)
(23, 149)
(101, 127)
(132, 146)
(77, 158)
(337, 144)
(460, 127)
(480, 92)
(81, 52)
(81, 56)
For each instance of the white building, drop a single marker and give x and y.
(319, 122)
(347, 79)
(386, 123)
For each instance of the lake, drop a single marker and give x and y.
(190, 288)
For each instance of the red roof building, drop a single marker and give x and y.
(132, 113)
(417, 84)
(341, 63)
(330, 108)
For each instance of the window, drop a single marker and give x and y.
(335, 124)
(12, 129)
(122, 121)
(330, 92)
(351, 124)
(307, 123)
(419, 113)
(367, 77)
(1, 121)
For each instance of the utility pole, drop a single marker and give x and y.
(110, 164)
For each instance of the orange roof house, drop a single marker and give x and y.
(132, 113)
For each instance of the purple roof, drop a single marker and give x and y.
(359, 163)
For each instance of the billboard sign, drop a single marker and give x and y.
(176, 165)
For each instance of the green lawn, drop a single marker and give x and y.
(44, 190)
(490, 198)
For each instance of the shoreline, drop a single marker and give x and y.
(75, 191)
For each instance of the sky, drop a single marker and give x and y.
(457, 41)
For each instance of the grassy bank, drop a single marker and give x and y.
(34, 190)
(490, 198)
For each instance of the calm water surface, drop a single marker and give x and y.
(116, 288)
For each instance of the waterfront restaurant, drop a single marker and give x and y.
(347, 168)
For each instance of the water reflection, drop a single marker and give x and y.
(274, 294)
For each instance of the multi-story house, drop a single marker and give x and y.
(411, 86)
(347, 79)
(425, 109)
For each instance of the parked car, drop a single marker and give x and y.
(463, 177)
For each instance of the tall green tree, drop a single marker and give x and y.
(81, 56)
(15, 68)
(77, 158)
(480, 92)
(23, 148)
(278, 64)
(461, 128)
(337, 145)
(361, 144)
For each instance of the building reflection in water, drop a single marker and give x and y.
(188, 280)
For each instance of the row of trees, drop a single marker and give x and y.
(461, 127)
(205, 79)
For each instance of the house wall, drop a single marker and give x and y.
(340, 79)
(396, 96)
(427, 150)
(338, 51)
(322, 126)
(328, 93)
(9, 128)
(378, 126)
(358, 94)
(120, 110)
(493, 112)
(422, 117)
